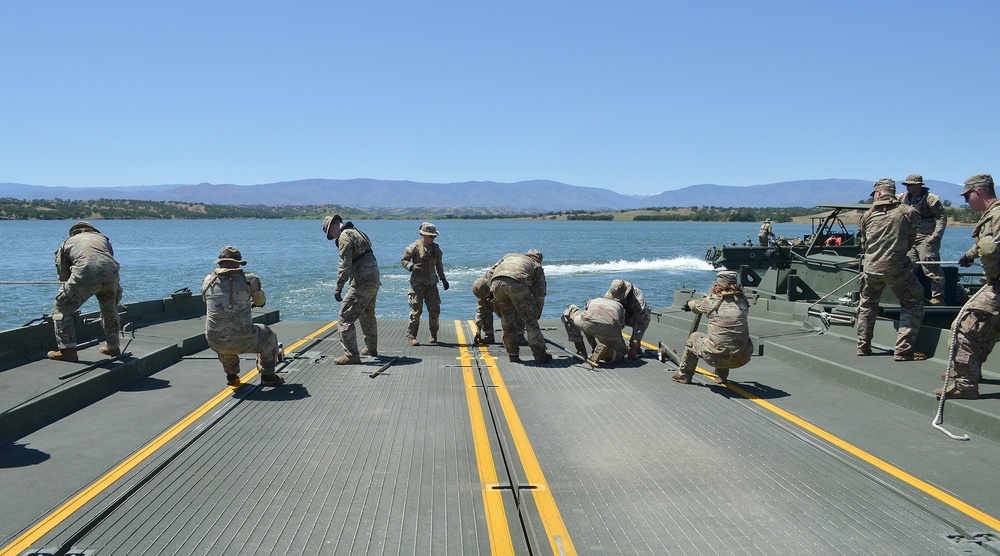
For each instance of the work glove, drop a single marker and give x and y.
(965, 261)
(337, 296)
(445, 284)
(686, 308)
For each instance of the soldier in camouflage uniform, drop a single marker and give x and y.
(87, 267)
(601, 320)
(484, 311)
(636, 312)
(764, 236)
(230, 294)
(888, 231)
(930, 229)
(358, 266)
(517, 283)
(423, 258)
(727, 344)
(975, 329)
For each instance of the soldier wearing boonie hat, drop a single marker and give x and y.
(229, 295)
(888, 231)
(357, 269)
(517, 282)
(930, 230)
(636, 311)
(86, 265)
(425, 261)
(765, 234)
(974, 333)
(727, 343)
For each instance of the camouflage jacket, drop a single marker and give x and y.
(86, 259)
(229, 295)
(524, 269)
(429, 257)
(933, 218)
(634, 303)
(605, 311)
(765, 229)
(887, 231)
(728, 328)
(987, 234)
(357, 261)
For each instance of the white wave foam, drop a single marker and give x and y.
(678, 263)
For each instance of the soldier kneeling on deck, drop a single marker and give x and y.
(229, 295)
(601, 320)
(727, 344)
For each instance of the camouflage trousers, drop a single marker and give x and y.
(603, 333)
(359, 305)
(911, 302)
(699, 345)
(973, 335)
(261, 340)
(515, 304)
(418, 295)
(484, 322)
(639, 325)
(69, 300)
(923, 250)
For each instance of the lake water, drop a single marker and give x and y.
(298, 266)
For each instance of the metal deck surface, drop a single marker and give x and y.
(452, 449)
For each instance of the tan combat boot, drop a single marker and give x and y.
(65, 354)
(347, 359)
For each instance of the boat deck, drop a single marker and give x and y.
(451, 449)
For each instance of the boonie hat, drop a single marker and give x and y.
(230, 253)
(329, 221)
(767, 220)
(535, 254)
(81, 226)
(885, 184)
(481, 288)
(727, 277)
(914, 179)
(618, 289)
(977, 182)
(428, 229)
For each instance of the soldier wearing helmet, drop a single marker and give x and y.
(423, 258)
(86, 266)
(930, 229)
(517, 283)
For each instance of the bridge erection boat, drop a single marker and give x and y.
(449, 448)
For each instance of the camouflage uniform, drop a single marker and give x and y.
(484, 311)
(229, 296)
(977, 326)
(517, 283)
(636, 310)
(357, 265)
(930, 229)
(765, 232)
(424, 261)
(602, 318)
(727, 344)
(87, 267)
(888, 231)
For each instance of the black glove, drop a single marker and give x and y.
(686, 308)
(965, 261)
(337, 296)
(445, 284)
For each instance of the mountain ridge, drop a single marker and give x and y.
(532, 195)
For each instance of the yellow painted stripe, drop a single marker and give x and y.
(555, 529)
(496, 516)
(52, 520)
(880, 464)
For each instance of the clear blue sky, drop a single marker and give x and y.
(636, 97)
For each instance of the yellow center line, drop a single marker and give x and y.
(496, 515)
(555, 529)
(880, 464)
(52, 520)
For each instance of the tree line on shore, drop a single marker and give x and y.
(119, 209)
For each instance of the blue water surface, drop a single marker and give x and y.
(298, 266)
